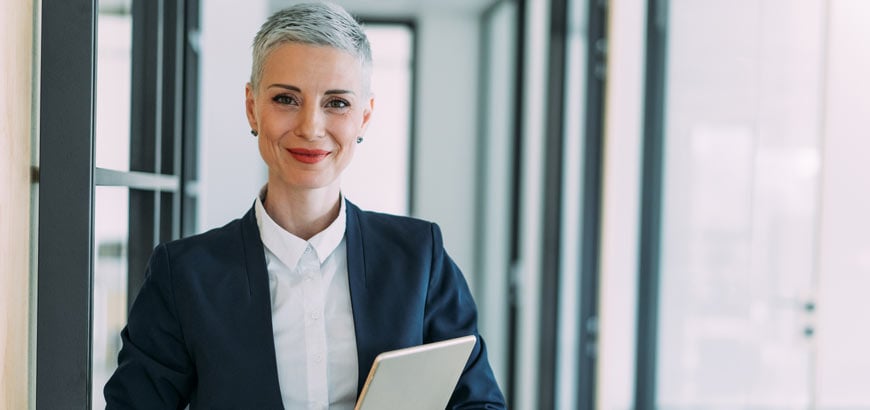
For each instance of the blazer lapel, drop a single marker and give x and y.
(258, 286)
(359, 295)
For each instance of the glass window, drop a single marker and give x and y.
(114, 57)
(111, 209)
(742, 161)
(135, 210)
(384, 154)
(111, 204)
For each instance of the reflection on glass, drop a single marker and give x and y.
(740, 204)
(110, 283)
(384, 156)
(114, 56)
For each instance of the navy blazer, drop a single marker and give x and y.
(200, 329)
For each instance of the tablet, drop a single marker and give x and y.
(420, 377)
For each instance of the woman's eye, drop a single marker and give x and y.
(337, 103)
(284, 99)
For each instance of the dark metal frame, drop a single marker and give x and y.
(67, 176)
(552, 214)
(651, 206)
(190, 125)
(592, 193)
(66, 197)
(516, 202)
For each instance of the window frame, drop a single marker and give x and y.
(68, 177)
(649, 245)
(66, 200)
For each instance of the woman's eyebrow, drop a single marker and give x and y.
(286, 86)
(330, 92)
(299, 90)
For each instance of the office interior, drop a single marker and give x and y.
(658, 204)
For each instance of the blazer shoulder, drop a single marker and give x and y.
(231, 232)
(216, 245)
(379, 218)
(397, 226)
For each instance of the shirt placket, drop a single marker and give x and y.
(315, 329)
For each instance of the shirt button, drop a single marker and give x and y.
(318, 358)
(315, 315)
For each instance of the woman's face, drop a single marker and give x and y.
(309, 109)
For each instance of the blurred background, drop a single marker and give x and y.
(658, 204)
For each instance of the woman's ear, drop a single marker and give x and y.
(250, 107)
(367, 114)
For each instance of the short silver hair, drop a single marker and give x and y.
(319, 24)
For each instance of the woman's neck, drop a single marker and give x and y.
(303, 213)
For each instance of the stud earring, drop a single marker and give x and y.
(254, 133)
(359, 140)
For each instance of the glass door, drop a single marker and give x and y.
(743, 149)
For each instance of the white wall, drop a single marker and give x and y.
(230, 169)
(445, 152)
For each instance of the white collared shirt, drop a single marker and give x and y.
(312, 319)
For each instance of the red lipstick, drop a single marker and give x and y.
(308, 156)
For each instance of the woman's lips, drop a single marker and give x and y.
(308, 156)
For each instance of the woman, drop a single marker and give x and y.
(289, 305)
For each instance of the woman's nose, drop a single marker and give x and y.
(311, 123)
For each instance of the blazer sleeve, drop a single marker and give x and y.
(451, 312)
(154, 369)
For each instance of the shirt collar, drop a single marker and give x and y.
(288, 247)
